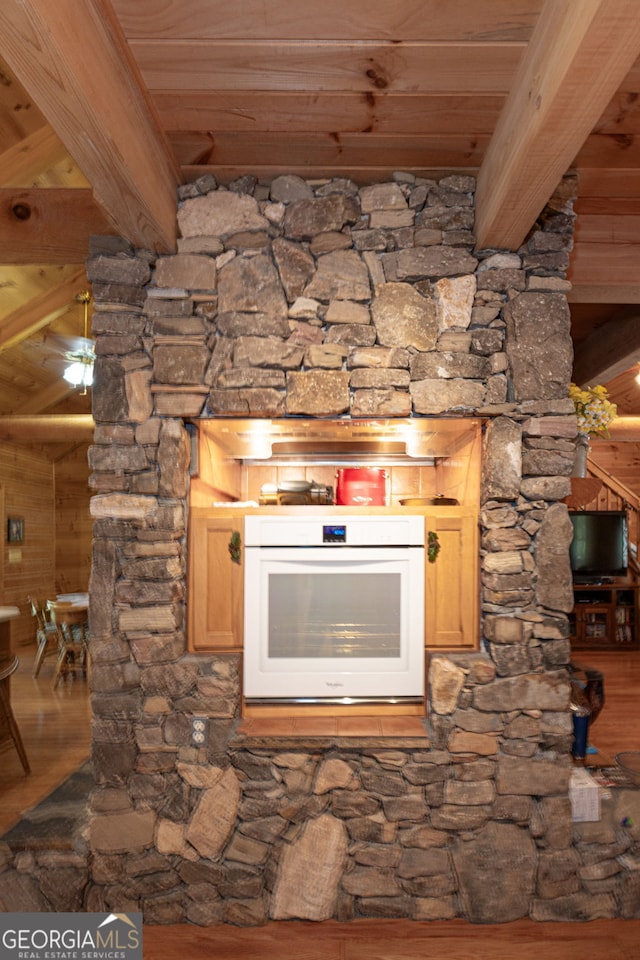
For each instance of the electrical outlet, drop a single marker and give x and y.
(199, 731)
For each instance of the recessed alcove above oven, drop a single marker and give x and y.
(425, 457)
(311, 439)
(434, 468)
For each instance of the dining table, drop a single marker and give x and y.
(70, 612)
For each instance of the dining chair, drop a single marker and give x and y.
(9, 732)
(73, 639)
(46, 634)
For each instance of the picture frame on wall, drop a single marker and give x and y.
(15, 529)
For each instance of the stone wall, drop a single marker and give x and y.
(325, 299)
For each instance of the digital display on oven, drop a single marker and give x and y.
(334, 533)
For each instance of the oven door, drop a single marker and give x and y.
(329, 623)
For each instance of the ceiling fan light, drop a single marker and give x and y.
(79, 374)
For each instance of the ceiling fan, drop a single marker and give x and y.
(79, 352)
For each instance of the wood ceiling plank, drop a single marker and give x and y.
(50, 225)
(41, 310)
(625, 393)
(22, 375)
(578, 54)
(607, 207)
(19, 117)
(12, 400)
(610, 351)
(85, 83)
(621, 115)
(65, 173)
(21, 163)
(621, 182)
(594, 264)
(335, 152)
(283, 112)
(608, 228)
(407, 67)
(631, 80)
(357, 20)
(604, 292)
(45, 399)
(606, 150)
(20, 284)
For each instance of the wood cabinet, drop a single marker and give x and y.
(215, 584)
(451, 594)
(604, 617)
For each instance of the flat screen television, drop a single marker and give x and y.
(599, 549)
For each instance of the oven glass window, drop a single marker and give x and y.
(313, 615)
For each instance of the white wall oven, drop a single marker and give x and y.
(334, 608)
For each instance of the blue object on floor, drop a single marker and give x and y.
(580, 732)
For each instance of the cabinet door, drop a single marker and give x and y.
(215, 587)
(597, 624)
(451, 614)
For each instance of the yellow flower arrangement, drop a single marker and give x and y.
(594, 410)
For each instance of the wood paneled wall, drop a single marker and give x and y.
(73, 522)
(53, 500)
(620, 459)
(27, 478)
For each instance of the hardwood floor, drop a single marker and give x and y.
(397, 940)
(56, 731)
(618, 726)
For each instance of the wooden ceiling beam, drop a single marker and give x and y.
(576, 59)
(625, 429)
(85, 82)
(611, 350)
(54, 428)
(48, 225)
(41, 310)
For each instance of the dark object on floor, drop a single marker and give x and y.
(591, 682)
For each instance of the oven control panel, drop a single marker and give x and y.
(390, 530)
(334, 533)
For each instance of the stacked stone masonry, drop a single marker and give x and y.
(325, 299)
